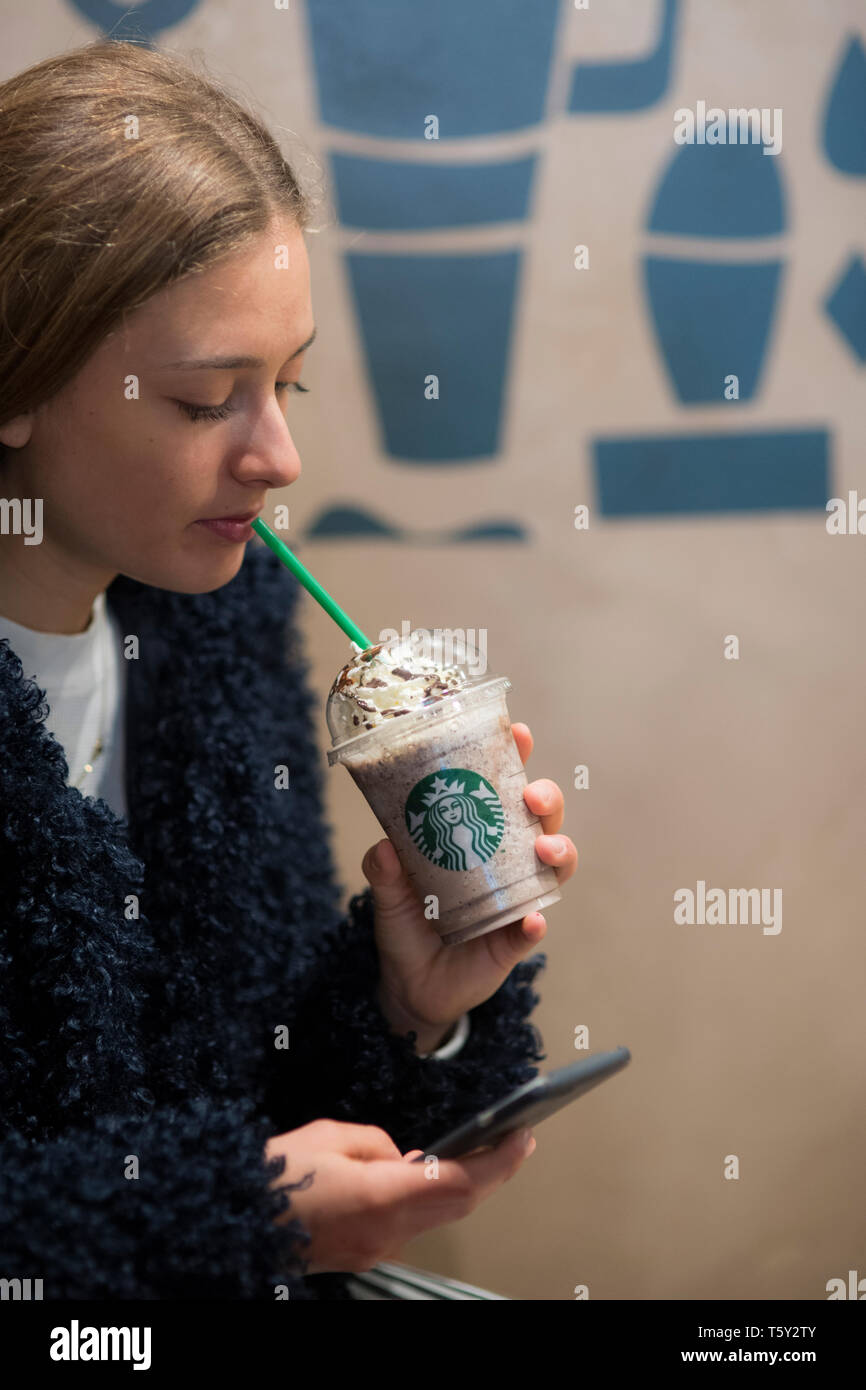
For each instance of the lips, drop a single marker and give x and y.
(234, 529)
(244, 516)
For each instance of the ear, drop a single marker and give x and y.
(16, 432)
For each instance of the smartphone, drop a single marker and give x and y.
(525, 1107)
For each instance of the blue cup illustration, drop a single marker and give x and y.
(436, 328)
(713, 317)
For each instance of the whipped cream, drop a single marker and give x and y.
(385, 682)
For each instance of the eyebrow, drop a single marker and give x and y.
(231, 363)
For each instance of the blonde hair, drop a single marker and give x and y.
(92, 222)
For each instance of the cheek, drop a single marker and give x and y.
(123, 479)
(138, 484)
(163, 469)
(104, 456)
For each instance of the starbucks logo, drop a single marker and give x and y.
(455, 818)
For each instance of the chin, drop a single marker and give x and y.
(195, 575)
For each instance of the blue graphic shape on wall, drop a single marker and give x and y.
(382, 66)
(356, 523)
(846, 306)
(443, 316)
(489, 531)
(480, 69)
(845, 119)
(720, 191)
(352, 521)
(386, 195)
(134, 25)
(772, 471)
(630, 85)
(712, 320)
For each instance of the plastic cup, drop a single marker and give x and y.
(446, 784)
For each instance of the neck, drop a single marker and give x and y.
(46, 590)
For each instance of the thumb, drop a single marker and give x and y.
(386, 876)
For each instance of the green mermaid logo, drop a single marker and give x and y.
(455, 818)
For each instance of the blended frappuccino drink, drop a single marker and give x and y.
(430, 745)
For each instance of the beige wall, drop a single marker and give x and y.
(742, 773)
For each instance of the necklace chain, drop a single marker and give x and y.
(99, 746)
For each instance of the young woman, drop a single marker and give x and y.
(191, 1028)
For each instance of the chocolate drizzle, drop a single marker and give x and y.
(344, 679)
(434, 685)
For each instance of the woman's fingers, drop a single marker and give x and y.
(559, 852)
(462, 1180)
(524, 740)
(545, 800)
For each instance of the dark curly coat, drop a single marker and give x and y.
(145, 965)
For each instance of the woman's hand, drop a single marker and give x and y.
(427, 986)
(366, 1200)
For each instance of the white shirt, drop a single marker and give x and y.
(83, 675)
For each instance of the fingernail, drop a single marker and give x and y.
(559, 847)
(528, 1141)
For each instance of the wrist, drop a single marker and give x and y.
(431, 1042)
(429, 1037)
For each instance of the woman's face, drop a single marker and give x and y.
(450, 809)
(126, 480)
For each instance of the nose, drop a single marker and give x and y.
(269, 455)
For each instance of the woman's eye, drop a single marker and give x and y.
(205, 412)
(220, 412)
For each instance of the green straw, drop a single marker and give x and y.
(312, 585)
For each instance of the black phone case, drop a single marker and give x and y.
(529, 1104)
